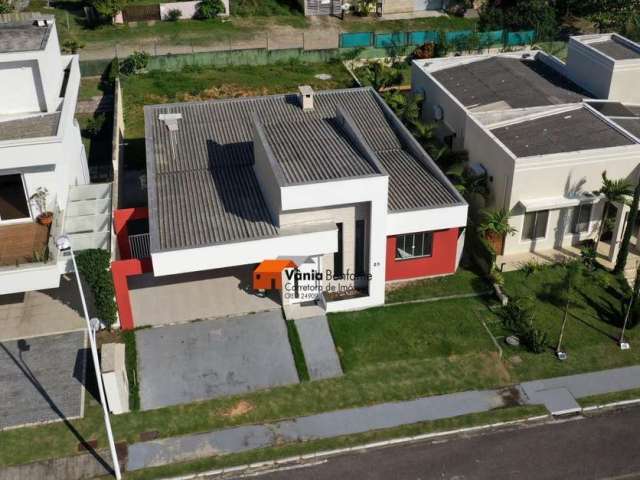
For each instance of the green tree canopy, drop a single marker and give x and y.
(514, 15)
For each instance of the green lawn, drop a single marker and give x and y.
(388, 354)
(213, 82)
(592, 329)
(557, 49)
(98, 148)
(461, 283)
(603, 399)
(91, 87)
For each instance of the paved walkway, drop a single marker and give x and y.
(356, 420)
(318, 347)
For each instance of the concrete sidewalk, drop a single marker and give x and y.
(557, 394)
(318, 347)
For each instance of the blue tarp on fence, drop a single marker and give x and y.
(491, 38)
(396, 39)
(357, 39)
(459, 36)
(420, 38)
(520, 38)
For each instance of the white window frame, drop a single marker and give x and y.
(535, 225)
(576, 217)
(411, 255)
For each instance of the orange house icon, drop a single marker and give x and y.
(268, 275)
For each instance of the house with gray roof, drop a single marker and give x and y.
(41, 150)
(543, 131)
(331, 180)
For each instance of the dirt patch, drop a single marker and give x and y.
(106, 336)
(510, 396)
(241, 408)
(494, 366)
(225, 91)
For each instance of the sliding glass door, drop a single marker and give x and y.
(14, 204)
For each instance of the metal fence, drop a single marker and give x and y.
(139, 246)
(400, 39)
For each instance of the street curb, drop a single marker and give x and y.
(620, 403)
(358, 448)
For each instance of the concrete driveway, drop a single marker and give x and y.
(213, 358)
(42, 378)
(193, 296)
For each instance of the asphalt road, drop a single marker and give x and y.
(604, 446)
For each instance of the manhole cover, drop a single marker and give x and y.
(323, 76)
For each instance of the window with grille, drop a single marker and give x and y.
(535, 225)
(414, 245)
(581, 218)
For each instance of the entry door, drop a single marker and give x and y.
(14, 204)
(360, 247)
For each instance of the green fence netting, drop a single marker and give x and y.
(458, 36)
(491, 38)
(357, 39)
(520, 38)
(420, 38)
(396, 39)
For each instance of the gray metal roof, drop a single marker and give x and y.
(631, 125)
(202, 188)
(616, 49)
(612, 109)
(519, 83)
(570, 131)
(24, 36)
(315, 150)
(31, 127)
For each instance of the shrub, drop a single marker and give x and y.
(173, 15)
(108, 8)
(496, 277)
(207, 9)
(111, 73)
(93, 265)
(534, 340)
(518, 317)
(588, 255)
(5, 7)
(71, 46)
(134, 63)
(94, 125)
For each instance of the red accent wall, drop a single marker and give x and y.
(121, 218)
(442, 260)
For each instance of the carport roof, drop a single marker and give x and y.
(202, 186)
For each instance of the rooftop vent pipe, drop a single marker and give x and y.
(306, 98)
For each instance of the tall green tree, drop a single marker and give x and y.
(538, 15)
(614, 192)
(623, 253)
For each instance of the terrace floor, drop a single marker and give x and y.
(20, 243)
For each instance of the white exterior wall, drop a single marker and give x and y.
(427, 220)
(20, 92)
(455, 114)
(51, 162)
(564, 175)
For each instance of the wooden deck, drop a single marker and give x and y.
(22, 243)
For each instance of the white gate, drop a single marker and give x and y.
(139, 246)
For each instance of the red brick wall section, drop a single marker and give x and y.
(442, 260)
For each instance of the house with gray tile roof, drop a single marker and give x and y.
(543, 131)
(40, 150)
(330, 179)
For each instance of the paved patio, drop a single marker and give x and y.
(193, 296)
(44, 312)
(41, 379)
(213, 358)
(318, 347)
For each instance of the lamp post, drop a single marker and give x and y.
(64, 245)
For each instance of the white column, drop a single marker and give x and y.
(618, 230)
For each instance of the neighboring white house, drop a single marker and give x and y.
(330, 180)
(40, 148)
(543, 131)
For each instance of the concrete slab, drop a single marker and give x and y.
(213, 358)
(325, 425)
(41, 379)
(44, 312)
(183, 298)
(318, 347)
(558, 401)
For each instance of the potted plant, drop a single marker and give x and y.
(40, 197)
(495, 227)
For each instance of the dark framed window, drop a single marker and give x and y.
(535, 225)
(338, 260)
(414, 245)
(13, 199)
(581, 218)
(360, 247)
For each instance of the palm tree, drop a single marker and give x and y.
(495, 227)
(614, 192)
(621, 261)
(381, 77)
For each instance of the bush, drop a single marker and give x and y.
(518, 317)
(111, 73)
(108, 8)
(94, 125)
(207, 9)
(5, 7)
(173, 15)
(93, 265)
(71, 46)
(588, 255)
(134, 63)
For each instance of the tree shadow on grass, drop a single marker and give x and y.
(606, 310)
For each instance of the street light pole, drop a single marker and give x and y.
(64, 244)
